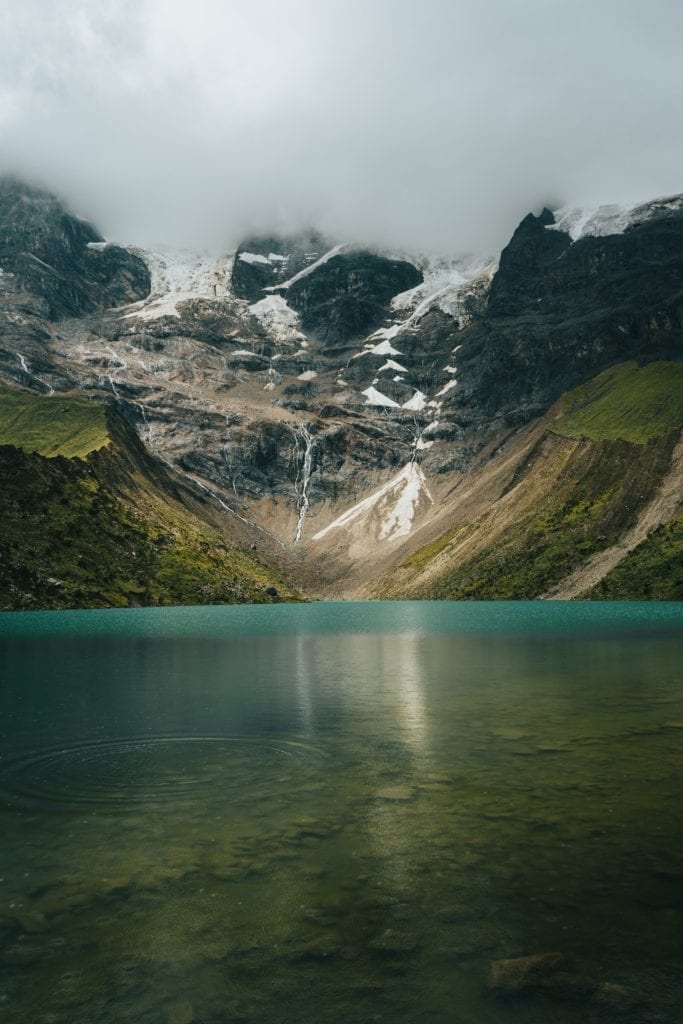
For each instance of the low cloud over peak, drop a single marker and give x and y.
(431, 126)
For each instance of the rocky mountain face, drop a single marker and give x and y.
(562, 309)
(48, 251)
(332, 400)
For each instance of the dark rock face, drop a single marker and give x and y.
(349, 296)
(46, 249)
(281, 258)
(560, 312)
(264, 458)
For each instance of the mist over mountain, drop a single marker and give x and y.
(352, 422)
(434, 126)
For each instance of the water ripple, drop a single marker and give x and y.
(148, 771)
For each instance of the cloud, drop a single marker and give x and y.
(434, 125)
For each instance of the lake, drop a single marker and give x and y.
(342, 812)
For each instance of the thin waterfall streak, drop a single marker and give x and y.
(24, 365)
(150, 430)
(304, 501)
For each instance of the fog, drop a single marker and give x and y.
(434, 125)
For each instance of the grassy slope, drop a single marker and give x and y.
(72, 427)
(573, 498)
(625, 403)
(653, 570)
(106, 530)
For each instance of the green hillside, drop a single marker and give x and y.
(625, 403)
(576, 494)
(110, 527)
(72, 427)
(652, 571)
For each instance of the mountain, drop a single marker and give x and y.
(381, 423)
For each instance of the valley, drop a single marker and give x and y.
(367, 424)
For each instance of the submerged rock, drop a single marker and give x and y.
(510, 977)
(545, 973)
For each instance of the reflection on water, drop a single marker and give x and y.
(312, 823)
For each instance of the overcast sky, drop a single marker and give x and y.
(430, 124)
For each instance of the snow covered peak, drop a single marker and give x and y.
(578, 222)
(613, 219)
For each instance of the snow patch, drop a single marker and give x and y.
(254, 257)
(395, 504)
(178, 275)
(612, 219)
(375, 397)
(446, 388)
(387, 333)
(279, 319)
(391, 365)
(309, 269)
(307, 375)
(416, 403)
(385, 348)
(446, 284)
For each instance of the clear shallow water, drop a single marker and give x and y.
(339, 811)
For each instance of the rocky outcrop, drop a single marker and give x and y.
(48, 252)
(348, 296)
(265, 261)
(547, 974)
(560, 311)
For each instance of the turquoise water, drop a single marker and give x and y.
(341, 811)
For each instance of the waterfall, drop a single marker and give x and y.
(119, 359)
(24, 366)
(305, 477)
(150, 429)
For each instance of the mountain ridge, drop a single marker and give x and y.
(298, 383)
